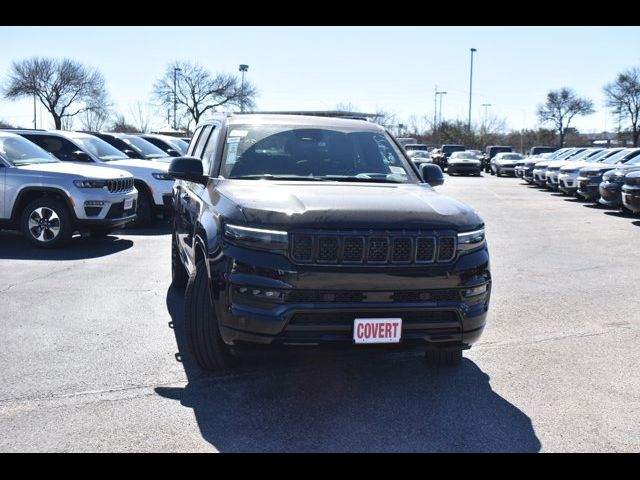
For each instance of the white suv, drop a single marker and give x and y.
(151, 180)
(49, 200)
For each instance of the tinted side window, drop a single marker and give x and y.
(210, 150)
(202, 141)
(60, 147)
(194, 141)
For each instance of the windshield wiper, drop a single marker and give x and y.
(344, 178)
(268, 176)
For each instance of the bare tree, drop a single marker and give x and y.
(141, 117)
(560, 108)
(386, 119)
(121, 125)
(5, 124)
(65, 87)
(198, 92)
(624, 96)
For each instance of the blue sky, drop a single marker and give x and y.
(393, 68)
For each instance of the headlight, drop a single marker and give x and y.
(470, 240)
(257, 237)
(88, 183)
(161, 176)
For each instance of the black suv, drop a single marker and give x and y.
(490, 152)
(312, 231)
(441, 157)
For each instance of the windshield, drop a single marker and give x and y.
(617, 157)
(452, 148)
(584, 155)
(294, 153)
(510, 156)
(464, 155)
(180, 145)
(634, 161)
(147, 149)
(419, 154)
(101, 149)
(20, 151)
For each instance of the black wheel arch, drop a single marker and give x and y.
(28, 194)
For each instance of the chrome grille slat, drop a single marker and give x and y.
(120, 186)
(372, 247)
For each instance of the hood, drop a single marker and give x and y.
(76, 170)
(573, 166)
(542, 164)
(154, 165)
(319, 205)
(622, 171)
(599, 168)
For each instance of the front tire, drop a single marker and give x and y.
(446, 358)
(143, 211)
(179, 274)
(47, 223)
(201, 324)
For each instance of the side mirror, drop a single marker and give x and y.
(81, 156)
(188, 169)
(432, 174)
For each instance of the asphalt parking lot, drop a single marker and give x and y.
(93, 355)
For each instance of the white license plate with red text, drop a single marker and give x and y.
(377, 330)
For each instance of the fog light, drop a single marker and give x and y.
(94, 203)
(472, 292)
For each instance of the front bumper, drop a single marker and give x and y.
(98, 205)
(506, 169)
(567, 183)
(589, 187)
(540, 177)
(316, 305)
(631, 198)
(610, 194)
(552, 179)
(464, 168)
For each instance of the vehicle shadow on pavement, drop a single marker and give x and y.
(347, 402)
(13, 246)
(157, 228)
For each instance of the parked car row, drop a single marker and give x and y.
(457, 159)
(607, 176)
(55, 183)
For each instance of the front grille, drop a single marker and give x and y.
(633, 181)
(354, 296)
(447, 249)
(372, 248)
(120, 185)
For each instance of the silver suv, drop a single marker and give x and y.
(150, 177)
(49, 200)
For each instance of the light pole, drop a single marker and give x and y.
(175, 97)
(486, 106)
(440, 111)
(470, 88)
(34, 111)
(243, 68)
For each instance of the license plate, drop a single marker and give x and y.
(128, 204)
(377, 330)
